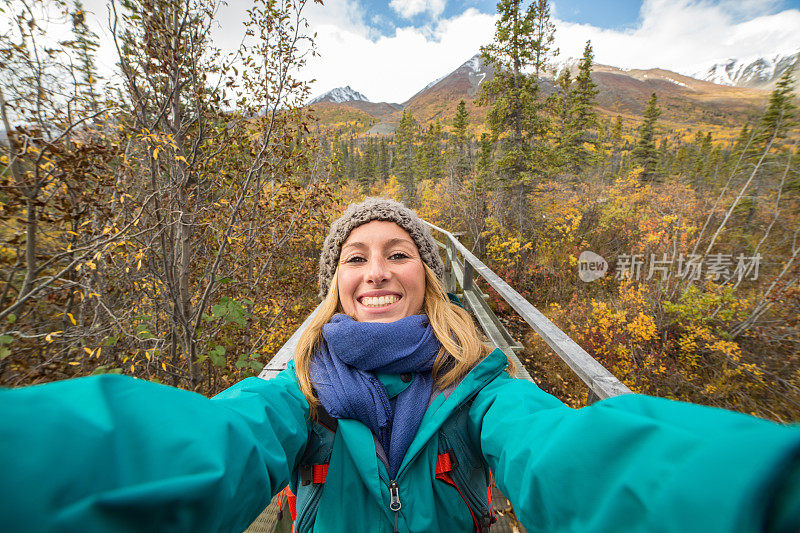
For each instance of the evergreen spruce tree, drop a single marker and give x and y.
(432, 167)
(484, 162)
(405, 157)
(781, 110)
(86, 44)
(383, 160)
(515, 116)
(645, 152)
(583, 115)
(354, 160)
(703, 149)
(742, 139)
(460, 156)
(460, 122)
(543, 37)
(562, 106)
(483, 185)
(745, 141)
(369, 164)
(362, 176)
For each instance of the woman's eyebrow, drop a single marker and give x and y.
(397, 240)
(388, 244)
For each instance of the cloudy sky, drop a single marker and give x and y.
(390, 49)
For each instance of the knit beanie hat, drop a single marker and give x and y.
(368, 210)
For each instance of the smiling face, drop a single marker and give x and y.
(381, 276)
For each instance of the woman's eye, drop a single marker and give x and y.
(398, 255)
(355, 259)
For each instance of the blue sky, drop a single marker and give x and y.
(611, 14)
(605, 14)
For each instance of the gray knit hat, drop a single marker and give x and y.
(368, 210)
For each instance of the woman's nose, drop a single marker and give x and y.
(377, 271)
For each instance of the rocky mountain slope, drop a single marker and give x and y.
(685, 101)
(759, 72)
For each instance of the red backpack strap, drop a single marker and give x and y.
(313, 474)
(292, 501)
(446, 462)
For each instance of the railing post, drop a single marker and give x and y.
(591, 397)
(467, 275)
(451, 257)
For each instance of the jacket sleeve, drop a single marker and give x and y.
(113, 453)
(636, 463)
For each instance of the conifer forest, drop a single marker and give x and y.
(166, 222)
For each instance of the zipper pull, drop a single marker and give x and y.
(394, 504)
(394, 492)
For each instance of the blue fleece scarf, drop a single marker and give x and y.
(343, 373)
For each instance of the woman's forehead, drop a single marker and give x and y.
(380, 232)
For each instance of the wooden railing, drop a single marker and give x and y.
(459, 274)
(461, 271)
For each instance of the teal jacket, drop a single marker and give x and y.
(112, 453)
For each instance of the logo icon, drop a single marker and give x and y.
(591, 266)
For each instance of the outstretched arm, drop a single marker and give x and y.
(637, 463)
(113, 453)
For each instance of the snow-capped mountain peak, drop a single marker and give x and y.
(340, 95)
(749, 71)
(474, 63)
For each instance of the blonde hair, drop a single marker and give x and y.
(462, 347)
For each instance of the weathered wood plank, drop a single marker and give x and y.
(495, 336)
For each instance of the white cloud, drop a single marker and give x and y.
(687, 35)
(681, 35)
(393, 68)
(409, 8)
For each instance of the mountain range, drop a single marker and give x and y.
(761, 72)
(725, 95)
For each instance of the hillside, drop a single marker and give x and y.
(682, 99)
(687, 103)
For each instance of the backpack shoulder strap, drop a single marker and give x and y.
(460, 464)
(327, 421)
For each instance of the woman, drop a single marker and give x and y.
(385, 314)
(402, 373)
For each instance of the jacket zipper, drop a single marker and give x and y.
(394, 491)
(394, 504)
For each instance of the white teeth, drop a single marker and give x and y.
(379, 301)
